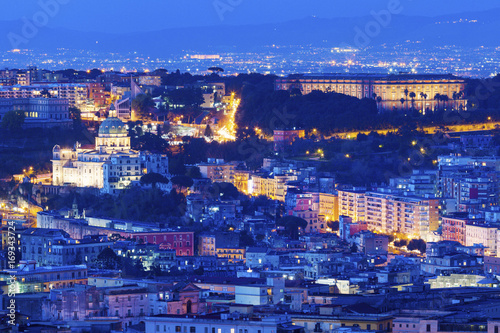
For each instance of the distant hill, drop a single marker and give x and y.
(309, 31)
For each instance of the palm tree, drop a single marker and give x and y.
(402, 100)
(412, 96)
(455, 97)
(379, 100)
(460, 95)
(424, 96)
(374, 95)
(437, 98)
(445, 99)
(406, 94)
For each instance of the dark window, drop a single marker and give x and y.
(428, 327)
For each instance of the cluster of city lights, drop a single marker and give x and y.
(228, 131)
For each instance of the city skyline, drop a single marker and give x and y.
(239, 166)
(110, 16)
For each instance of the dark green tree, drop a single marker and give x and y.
(154, 178)
(246, 239)
(193, 172)
(208, 132)
(417, 244)
(76, 115)
(216, 69)
(182, 181)
(142, 106)
(400, 243)
(292, 225)
(334, 225)
(13, 121)
(108, 259)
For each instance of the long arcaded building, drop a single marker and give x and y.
(391, 88)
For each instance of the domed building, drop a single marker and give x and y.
(113, 133)
(110, 166)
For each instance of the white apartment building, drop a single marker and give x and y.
(482, 233)
(243, 322)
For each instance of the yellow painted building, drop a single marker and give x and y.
(232, 254)
(273, 188)
(389, 87)
(240, 180)
(206, 245)
(217, 170)
(328, 206)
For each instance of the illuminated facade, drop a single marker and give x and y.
(182, 241)
(390, 88)
(111, 166)
(328, 206)
(39, 112)
(413, 216)
(352, 204)
(231, 254)
(240, 180)
(33, 279)
(482, 233)
(217, 170)
(75, 93)
(272, 187)
(206, 245)
(283, 138)
(416, 217)
(150, 80)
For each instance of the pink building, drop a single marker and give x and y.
(284, 138)
(182, 242)
(186, 300)
(454, 227)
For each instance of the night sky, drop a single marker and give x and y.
(148, 15)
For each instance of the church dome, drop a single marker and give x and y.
(112, 125)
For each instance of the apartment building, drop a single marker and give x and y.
(328, 206)
(482, 233)
(75, 93)
(242, 322)
(352, 204)
(416, 217)
(217, 170)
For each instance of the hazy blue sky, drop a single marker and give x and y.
(144, 15)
